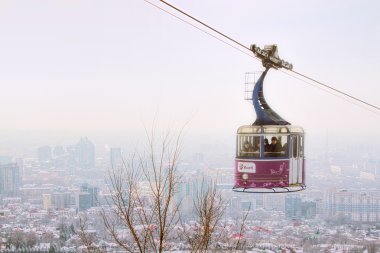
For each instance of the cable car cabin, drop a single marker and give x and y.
(269, 158)
(269, 153)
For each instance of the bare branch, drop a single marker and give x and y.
(86, 238)
(143, 196)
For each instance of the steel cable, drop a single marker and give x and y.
(253, 56)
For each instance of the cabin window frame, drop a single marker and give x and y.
(252, 139)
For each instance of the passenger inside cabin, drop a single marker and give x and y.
(275, 147)
(266, 145)
(256, 147)
(247, 148)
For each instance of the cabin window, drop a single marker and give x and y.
(275, 146)
(301, 146)
(294, 146)
(248, 146)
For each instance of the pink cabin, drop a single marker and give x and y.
(269, 158)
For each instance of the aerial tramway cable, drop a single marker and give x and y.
(347, 99)
(376, 111)
(200, 29)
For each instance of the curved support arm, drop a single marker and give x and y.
(265, 114)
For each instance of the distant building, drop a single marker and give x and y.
(61, 200)
(354, 206)
(297, 207)
(85, 153)
(87, 197)
(116, 159)
(9, 179)
(92, 193)
(5, 159)
(47, 201)
(188, 191)
(82, 155)
(259, 199)
(309, 209)
(44, 153)
(36, 191)
(20, 164)
(247, 204)
(84, 201)
(241, 202)
(58, 151)
(293, 206)
(274, 202)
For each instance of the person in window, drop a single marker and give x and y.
(247, 149)
(266, 145)
(256, 147)
(275, 147)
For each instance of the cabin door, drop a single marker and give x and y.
(294, 160)
(300, 159)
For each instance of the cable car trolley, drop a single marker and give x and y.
(270, 152)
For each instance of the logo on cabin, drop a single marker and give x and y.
(246, 167)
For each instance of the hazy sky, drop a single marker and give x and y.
(111, 66)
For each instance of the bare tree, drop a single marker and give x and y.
(144, 212)
(86, 238)
(240, 240)
(208, 209)
(16, 238)
(30, 239)
(210, 232)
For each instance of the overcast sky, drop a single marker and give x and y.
(110, 66)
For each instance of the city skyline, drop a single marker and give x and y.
(119, 127)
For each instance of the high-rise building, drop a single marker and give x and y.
(58, 151)
(47, 201)
(297, 207)
(44, 153)
(20, 164)
(293, 208)
(116, 158)
(5, 159)
(61, 200)
(188, 191)
(90, 194)
(9, 179)
(274, 202)
(84, 201)
(85, 154)
(82, 154)
(355, 206)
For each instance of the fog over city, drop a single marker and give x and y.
(83, 83)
